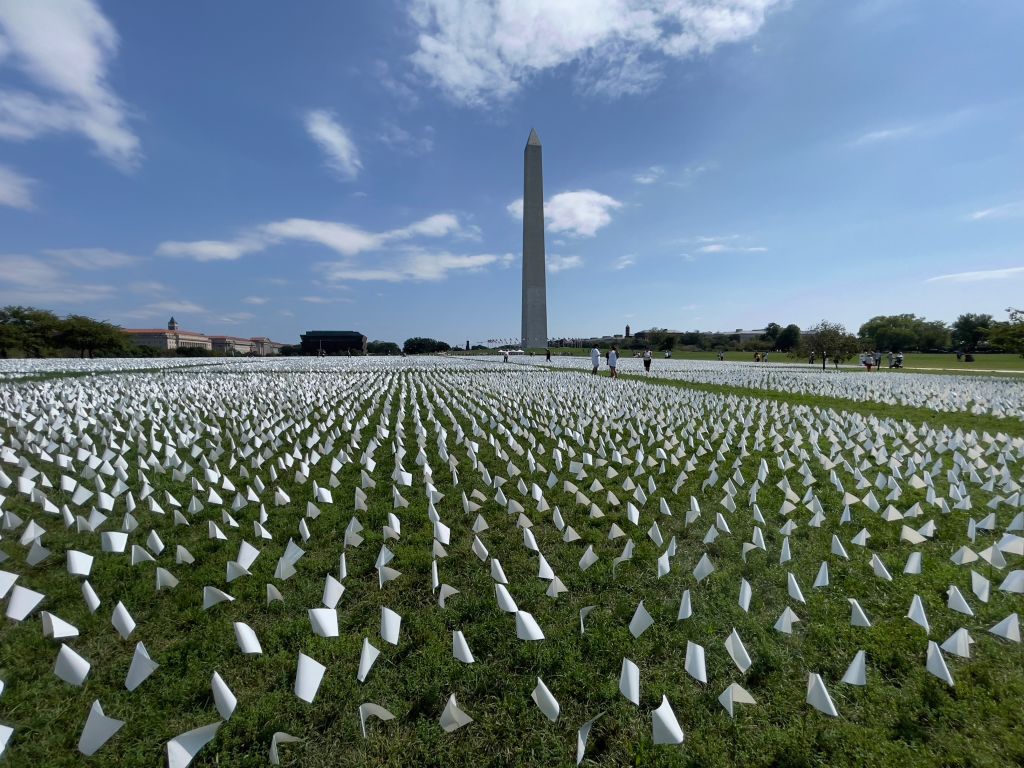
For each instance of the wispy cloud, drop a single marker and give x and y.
(649, 176)
(885, 134)
(416, 265)
(1013, 210)
(64, 49)
(33, 281)
(15, 189)
(690, 174)
(234, 318)
(978, 275)
(152, 287)
(406, 96)
(93, 258)
(481, 51)
(918, 129)
(394, 136)
(256, 300)
(345, 239)
(326, 299)
(179, 307)
(341, 151)
(731, 248)
(624, 261)
(558, 263)
(212, 250)
(580, 212)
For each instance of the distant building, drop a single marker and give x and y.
(264, 347)
(231, 345)
(333, 343)
(174, 339)
(627, 330)
(753, 335)
(171, 339)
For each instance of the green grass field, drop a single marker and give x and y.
(904, 716)
(983, 363)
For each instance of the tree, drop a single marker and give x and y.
(828, 340)
(771, 332)
(419, 345)
(970, 330)
(83, 334)
(29, 329)
(383, 348)
(788, 338)
(902, 332)
(1009, 336)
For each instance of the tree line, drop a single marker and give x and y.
(32, 332)
(969, 333)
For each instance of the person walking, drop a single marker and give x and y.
(613, 361)
(595, 359)
(878, 360)
(890, 358)
(504, 354)
(547, 352)
(647, 361)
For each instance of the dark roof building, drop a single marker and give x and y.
(333, 343)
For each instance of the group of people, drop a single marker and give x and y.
(613, 361)
(874, 360)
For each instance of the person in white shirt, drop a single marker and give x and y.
(613, 361)
(647, 361)
(595, 359)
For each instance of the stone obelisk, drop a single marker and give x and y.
(535, 297)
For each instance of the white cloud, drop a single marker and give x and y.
(147, 286)
(32, 281)
(345, 239)
(212, 250)
(480, 51)
(64, 48)
(406, 96)
(649, 176)
(978, 276)
(342, 154)
(438, 225)
(417, 265)
(235, 318)
(325, 299)
(394, 136)
(181, 307)
(690, 174)
(1007, 211)
(580, 213)
(886, 134)
(255, 300)
(92, 258)
(28, 271)
(15, 189)
(624, 261)
(561, 263)
(722, 248)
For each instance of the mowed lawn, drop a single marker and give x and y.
(467, 429)
(912, 360)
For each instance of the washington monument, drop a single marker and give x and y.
(535, 295)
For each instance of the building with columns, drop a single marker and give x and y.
(174, 338)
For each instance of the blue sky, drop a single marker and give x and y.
(259, 168)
